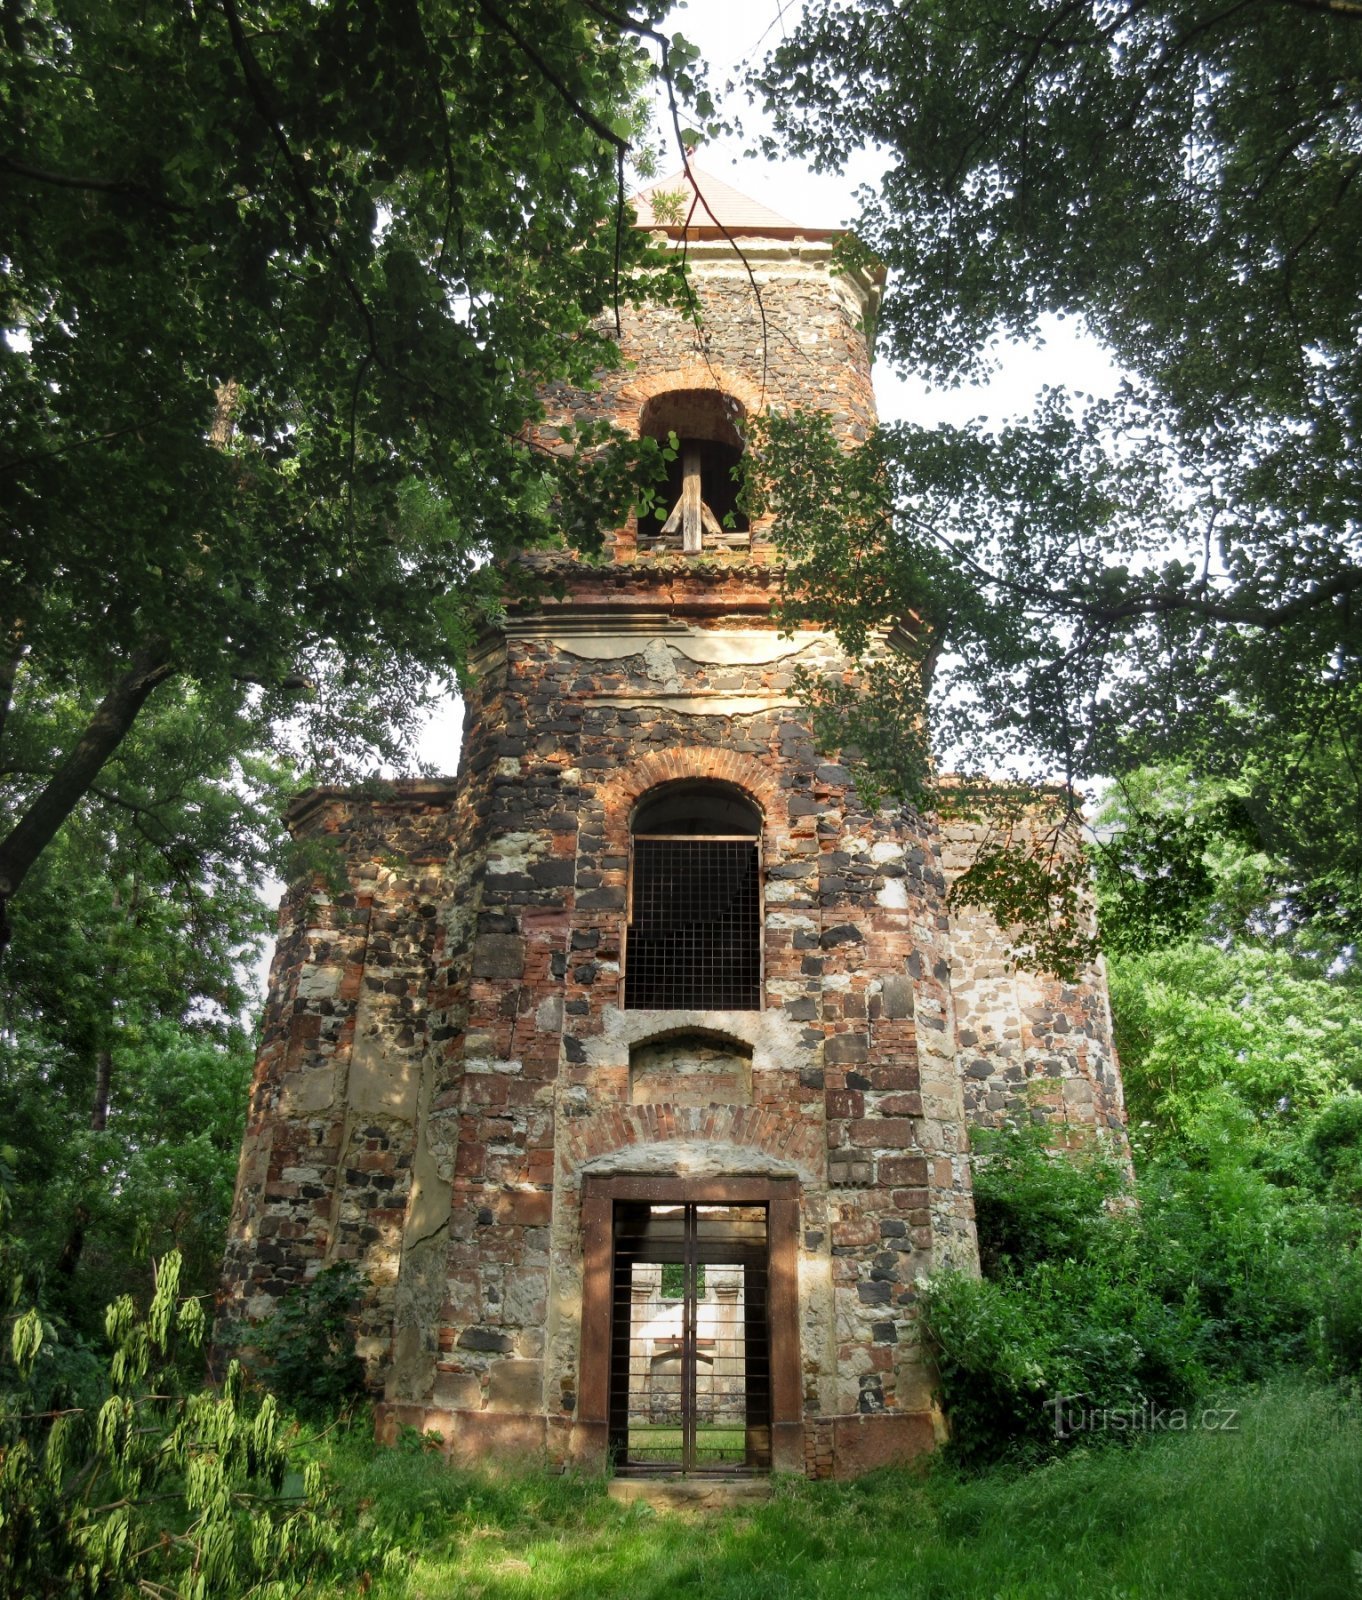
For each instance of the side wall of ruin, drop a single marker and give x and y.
(1030, 1048)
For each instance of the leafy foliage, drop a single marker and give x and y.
(1034, 1203)
(123, 1056)
(1172, 573)
(1237, 1252)
(1206, 1274)
(1203, 1030)
(167, 1492)
(282, 288)
(309, 1343)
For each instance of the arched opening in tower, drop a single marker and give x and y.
(698, 504)
(693, 941)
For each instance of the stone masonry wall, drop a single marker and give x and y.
(446, 1057)
(326, 1158)
(1030, 1048)
(852, 1082)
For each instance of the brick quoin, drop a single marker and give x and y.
(449, 1089)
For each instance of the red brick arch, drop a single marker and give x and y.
(768, 1131)
(694, 375)
(707, 763)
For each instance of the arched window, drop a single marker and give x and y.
(694, 936)
(698, 506)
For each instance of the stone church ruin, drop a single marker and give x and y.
(635, 1064)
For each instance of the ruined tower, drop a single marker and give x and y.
(635, 1064)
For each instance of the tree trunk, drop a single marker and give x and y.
(69, 1259)
(38, 826)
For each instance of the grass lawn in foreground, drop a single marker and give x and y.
(1270, 1507)
(714, 1444)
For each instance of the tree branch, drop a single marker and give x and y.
(545, 71)
(601, 129)
(63, 180)
(39, 824)
(261, 92)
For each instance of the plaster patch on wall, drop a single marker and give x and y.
(771, 1035)
(714, 647)
(700, 705)
(691, 1158)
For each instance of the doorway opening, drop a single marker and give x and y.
(690, 1353)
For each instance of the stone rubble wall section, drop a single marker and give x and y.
(1030, 1048)
(326, 1157)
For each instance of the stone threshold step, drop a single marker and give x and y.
(690, 1494)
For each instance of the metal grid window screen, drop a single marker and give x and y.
(695, 928)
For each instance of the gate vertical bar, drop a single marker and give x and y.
(689, 1344)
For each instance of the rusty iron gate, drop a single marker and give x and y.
(690, 1367)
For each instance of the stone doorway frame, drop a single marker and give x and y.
(780, 1196)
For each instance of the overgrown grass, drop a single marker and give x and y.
(1272, 1508)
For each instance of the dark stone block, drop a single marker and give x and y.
(499, 955)
(842, 1048)
(871, 1399)
(871, 1294)
(896, 996)
(484, 1339)
(843, 933)
(601, 900)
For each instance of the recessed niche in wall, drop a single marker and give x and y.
(690, 1069)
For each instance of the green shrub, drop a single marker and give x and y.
(155, 1490)
(310, 1343)
(1034, 1203)
(1204, 1274)
(1332, 1147)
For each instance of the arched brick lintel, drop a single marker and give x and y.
(727, 1139)
(622, 792)
(694, 375)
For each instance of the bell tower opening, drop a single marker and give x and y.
(698, 504)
